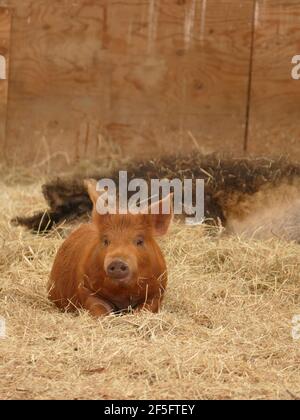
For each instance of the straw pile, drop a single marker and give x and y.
(224, 331)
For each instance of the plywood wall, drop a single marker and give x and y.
(148, 76)
(275, 100)
(151, 76)
(5, 23)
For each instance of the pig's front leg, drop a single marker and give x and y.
(151, 305)
(97, 307)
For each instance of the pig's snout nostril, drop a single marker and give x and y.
(118, 269)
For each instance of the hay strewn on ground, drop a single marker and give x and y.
(224, 331)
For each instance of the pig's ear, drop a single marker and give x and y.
(91, 187)
(160, 220)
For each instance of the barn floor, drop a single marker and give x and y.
(224, 331)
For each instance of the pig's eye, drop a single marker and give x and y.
(106, 242)
(139, 242)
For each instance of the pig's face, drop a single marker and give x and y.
(128, 253)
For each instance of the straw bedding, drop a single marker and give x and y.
(224, 330)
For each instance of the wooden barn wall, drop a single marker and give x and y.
(146, 75)
(150, 76)
(275, 99)
(5, 22)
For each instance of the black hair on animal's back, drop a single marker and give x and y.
(227, 181)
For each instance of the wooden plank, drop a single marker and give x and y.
(274, 118)
(147, 75)
(58, 79)
(59, 48)
(5, 27)
(179, 68)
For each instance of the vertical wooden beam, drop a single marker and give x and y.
(249, 95)
(5, 28)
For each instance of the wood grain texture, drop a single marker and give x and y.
(5, 26)
(58, 80)
(179, 67)
(275, 105)
(150, 76)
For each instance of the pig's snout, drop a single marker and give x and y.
(118, 269)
